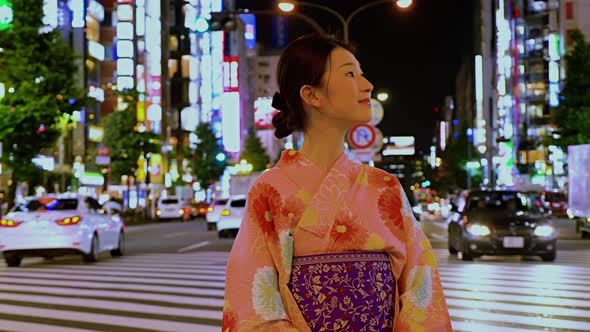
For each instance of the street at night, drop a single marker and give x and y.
(173, 280)
(294, 165)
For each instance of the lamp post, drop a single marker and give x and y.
(303, 17)
(201, 24)
(288, 6)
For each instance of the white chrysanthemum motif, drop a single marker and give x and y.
(420, 280)
(265, 294)
(286, 240)
(407, 208)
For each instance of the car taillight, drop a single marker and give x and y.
(69, 221)
(158, 212)
(202, 210)
(9, 223)
(209, 210)
(225, 212)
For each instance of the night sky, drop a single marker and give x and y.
(413, 54)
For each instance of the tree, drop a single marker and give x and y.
(254, 152)
(573, 115)
(38, 71)
(453, 173)
(209, 158)
(124, 142)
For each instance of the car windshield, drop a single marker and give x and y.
(221, 202)
(170, 201)
(238, 203)
(503, 202)
(555, 197)
(47, 204)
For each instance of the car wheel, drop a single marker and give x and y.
(585, 235)
(12, 260)
(452, 249)
(549, 257)
(223, 234)
(92, 256)
(464, 256)
(120, 251)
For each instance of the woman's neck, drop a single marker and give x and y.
(323, 146)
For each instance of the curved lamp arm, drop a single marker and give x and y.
(303, 17)
(358, 10)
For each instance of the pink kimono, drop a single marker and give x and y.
(295, 209)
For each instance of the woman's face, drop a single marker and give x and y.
(346, 93)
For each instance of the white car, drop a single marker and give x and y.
(59, 225)
(171, 207)
(230, 216)
(214, 212)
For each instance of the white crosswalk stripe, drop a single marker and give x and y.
(184, 292)
(151, 292)
(514, 294)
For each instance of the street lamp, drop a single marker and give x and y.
(382, 96)
(226, 20)
(289, 6)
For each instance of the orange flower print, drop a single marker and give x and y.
(390, 205)
(380, 178)
(347, 230)
(230, 321)
(289, 156)
(293, 210)
(265, 201)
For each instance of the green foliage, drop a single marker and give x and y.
(206, 168)
(125, 144)
(573, 115)
(254, 152)
(452, 174)
(38, 71)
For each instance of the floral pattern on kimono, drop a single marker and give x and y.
(296, 209)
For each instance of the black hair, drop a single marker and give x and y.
(303, 62)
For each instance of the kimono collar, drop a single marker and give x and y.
(326, 190)
(307, 175)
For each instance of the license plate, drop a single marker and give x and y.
(513, 242)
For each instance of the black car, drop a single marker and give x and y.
(502, 222)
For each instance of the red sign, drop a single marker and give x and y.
(362, 136)
(103, 151)
(230, 74)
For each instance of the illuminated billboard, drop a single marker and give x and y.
(263, 113)
(399, 146)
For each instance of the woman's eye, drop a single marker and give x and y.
(351, 74)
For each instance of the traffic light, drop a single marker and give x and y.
(218, 21)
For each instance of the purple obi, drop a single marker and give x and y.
(345, 292)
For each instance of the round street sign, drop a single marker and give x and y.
(362, 136)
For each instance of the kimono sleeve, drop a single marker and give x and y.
(423, 305)
(252, 298)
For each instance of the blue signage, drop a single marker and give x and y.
(249, 29)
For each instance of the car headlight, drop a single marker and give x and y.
(544, 230)
(479, 230)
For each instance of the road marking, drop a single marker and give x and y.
(438, 236)
(130, 322)
(194, 246)
(174, 234)
(22, 326)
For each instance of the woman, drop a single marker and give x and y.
(326, 242)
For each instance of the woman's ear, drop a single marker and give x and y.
(309, 96)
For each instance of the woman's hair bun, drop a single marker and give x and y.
(282, 125)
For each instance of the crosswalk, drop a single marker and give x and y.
(184, 292)
(152, 292)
